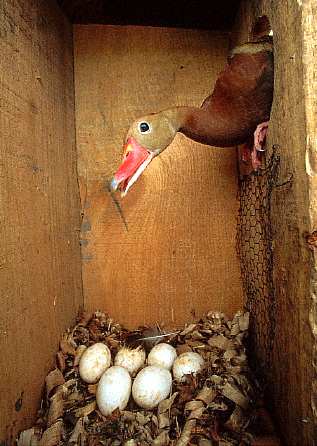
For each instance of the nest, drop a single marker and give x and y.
(220, 406)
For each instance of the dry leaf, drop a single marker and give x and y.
(81, 334)
(142, 419)
(70, 383)
(127, 415)
(52, 436)
(237, 420)
(243, 383)
(86, 410)
(56, 408)
(188, 329)
(220, 406)
(79, 433)
(78, 354)
(166, 404)
(221, 342)
(212, 357)
(196, 344)
(197, 335)
(183, 348)
(163, 420)
(216, 379)
(54, 378)
(235, 329)
(204, 442)
(197, 413)
(217, 320)
(235, 370)
(60, 361)
(233, 393)
(155, 421)
(29, 437)
(244, 321)
(84, 318)
(74, 396)
(92, 388)
(185, 437)
(240, 359)
(162, 439)
(230, 354)
(67, 348)
(113, 343)
(194, 405)
(207, 395)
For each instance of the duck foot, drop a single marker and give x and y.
(260, 136)
(251, 152)
(259, 144)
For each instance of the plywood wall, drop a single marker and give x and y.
(293, 213)
(169, 255)
(40, 272)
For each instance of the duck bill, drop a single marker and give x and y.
(135, 160)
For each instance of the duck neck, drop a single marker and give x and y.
(200, 125)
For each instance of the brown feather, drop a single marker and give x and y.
(241, 99)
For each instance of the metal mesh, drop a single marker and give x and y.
(254, 242)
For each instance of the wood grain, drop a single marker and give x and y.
(309, 48)
(40, 271)
(292, 129)
(170, 255)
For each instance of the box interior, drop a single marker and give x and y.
(167, 252)
(172, 241)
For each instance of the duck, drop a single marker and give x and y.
(237, 112)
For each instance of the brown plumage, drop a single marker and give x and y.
(240, 101)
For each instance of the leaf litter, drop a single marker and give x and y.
(217, 407)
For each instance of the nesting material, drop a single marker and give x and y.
(216, 406)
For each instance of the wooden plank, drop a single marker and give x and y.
(309, 25)
(293, 129)
(173, 257)
(39, 255)
(180, 14)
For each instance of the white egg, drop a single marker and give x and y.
(114, 389)
(162, 355)
(186, 364)
(151, 385)
(130, 359)
(93, 362)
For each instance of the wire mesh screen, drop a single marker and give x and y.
(254, 242)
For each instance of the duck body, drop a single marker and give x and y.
(241, 99)
(240, 102)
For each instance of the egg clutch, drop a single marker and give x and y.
(149, 380)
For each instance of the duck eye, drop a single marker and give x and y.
(144, 127)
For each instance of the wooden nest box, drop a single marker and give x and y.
(194, 234)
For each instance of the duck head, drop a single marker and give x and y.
(146, 138)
